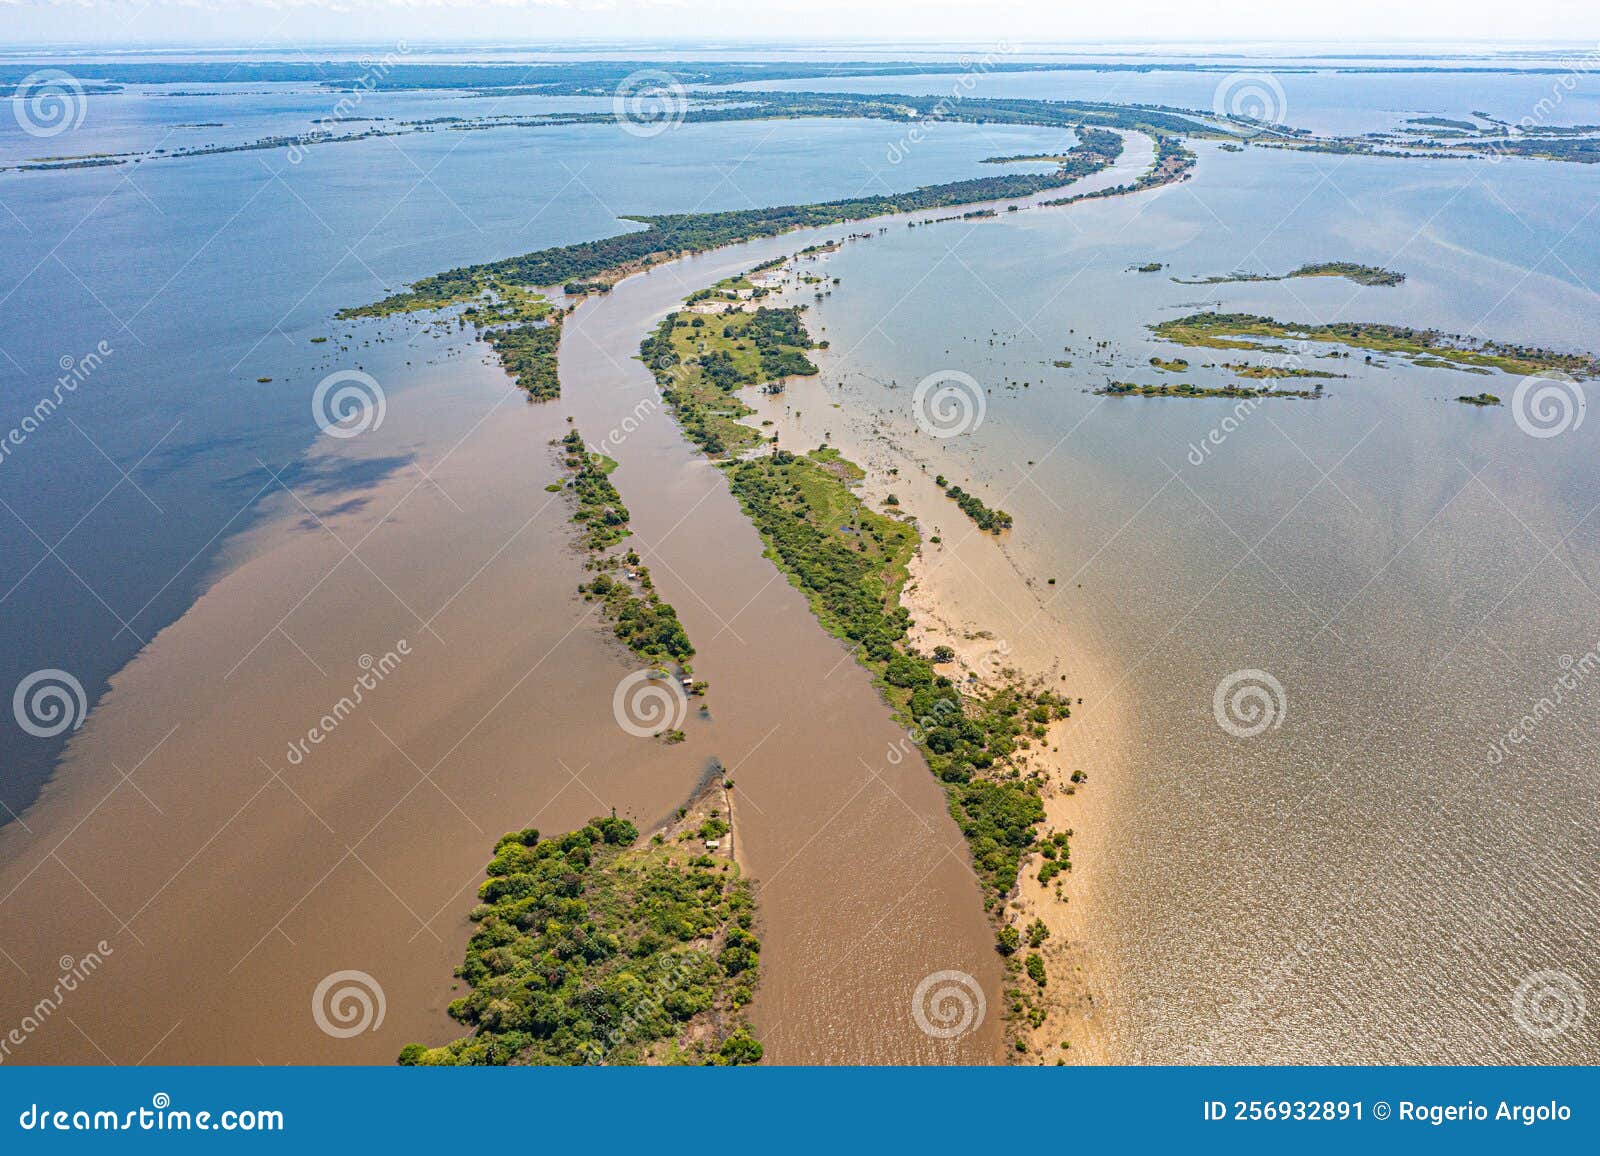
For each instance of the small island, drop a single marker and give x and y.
(1483, 399)
(598, 947)
(1185, 389)
(994, 521)
(1428, 348)
(1349, 270)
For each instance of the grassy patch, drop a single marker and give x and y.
(701, 360)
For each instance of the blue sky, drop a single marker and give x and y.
(256, 22)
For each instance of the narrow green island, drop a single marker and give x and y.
(503, 299)
(1349, 270)
(1444, 122)
(1185, 389)
(599, 947)
(851, 562)
(972, 506)
(1483, 399)
(640, 619)
(1425, 347)
(1245, 369)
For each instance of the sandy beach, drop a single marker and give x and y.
(973, 592)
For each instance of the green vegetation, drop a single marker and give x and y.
(972, 506)
(1479, 399)
(1443, 122)
(591, 949)
(1349, 270)
(1029, 158)
(1230, 331)
(700, 360)
(522, 328)
(1244, 369)
(640, 619)
(1175, 365)
(670, 235)
(1184, 389)
(1150, 267)
(600, 508)
(850, 562)
(1173, 163)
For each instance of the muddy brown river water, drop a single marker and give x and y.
(227, 878)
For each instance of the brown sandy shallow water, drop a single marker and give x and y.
(228, 880)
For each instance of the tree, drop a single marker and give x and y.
(1035, 967)
(741, 1048)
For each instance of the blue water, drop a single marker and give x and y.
(202, 275)
(185, 282)
(1360, 883)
